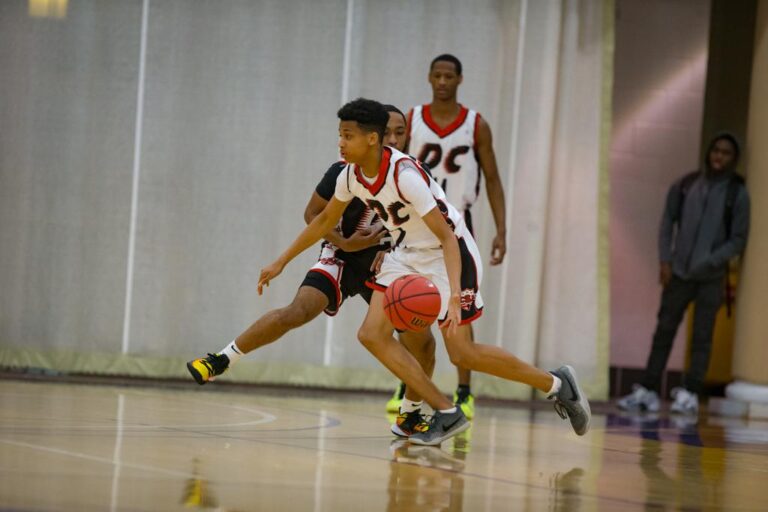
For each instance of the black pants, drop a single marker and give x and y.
(708, 296)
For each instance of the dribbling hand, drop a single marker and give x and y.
(268, 273)
(364, 239)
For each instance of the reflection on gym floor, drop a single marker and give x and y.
(86, 447)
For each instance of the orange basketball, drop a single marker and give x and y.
(412, 302)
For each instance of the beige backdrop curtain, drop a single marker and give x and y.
(155, 154)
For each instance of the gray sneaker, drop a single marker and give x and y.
(571, 402)
(640, 399)
(441, 427)
(685, 402)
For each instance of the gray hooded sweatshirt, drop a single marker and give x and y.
(698, 244)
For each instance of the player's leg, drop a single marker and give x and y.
(493, 360)
(464, 375)
(376, 336)
(319, 291)
(463, 396)
(357, 271)
(464, 353)
(421, 344)
(307, 304)
(560, 385)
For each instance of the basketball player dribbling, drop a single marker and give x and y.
(345, 263)
(430, 239)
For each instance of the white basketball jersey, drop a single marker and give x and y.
(450, 152)
(383, 196)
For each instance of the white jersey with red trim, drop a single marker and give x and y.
(450, 152)
(394, 195)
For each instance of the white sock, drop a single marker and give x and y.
(409, 405)
(232, 352)
(556, 383)
(448, 411)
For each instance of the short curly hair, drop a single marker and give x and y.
(370, 115)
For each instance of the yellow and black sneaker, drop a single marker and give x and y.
(206, 368)
(393, 406)
(408, 423)
(466, 402)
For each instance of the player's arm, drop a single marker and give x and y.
(319, 226)
(314, 207)
(438, 225)
(493, 188)
(357, 242)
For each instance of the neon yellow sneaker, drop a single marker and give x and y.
(393, 406)
(206, 368)
(467, 404)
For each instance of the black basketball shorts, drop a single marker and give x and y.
(339, 276)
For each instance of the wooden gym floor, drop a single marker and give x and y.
(95, 447)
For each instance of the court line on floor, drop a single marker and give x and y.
(191, 430)
(94, 458)
(141, 427)
(265, 418)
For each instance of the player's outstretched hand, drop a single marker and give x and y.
(268, 273)
(498, 249)
(364, 239)
(453, 318)
(377, 261)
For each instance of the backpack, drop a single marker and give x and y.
(734, 184)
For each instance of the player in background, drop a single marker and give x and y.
(457, 144)
(345, 263)
(432, 240)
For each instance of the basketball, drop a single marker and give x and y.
(412, 302)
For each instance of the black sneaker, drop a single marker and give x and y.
(408, 423)
(206, 368)
(570, 401)
(441, 427)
